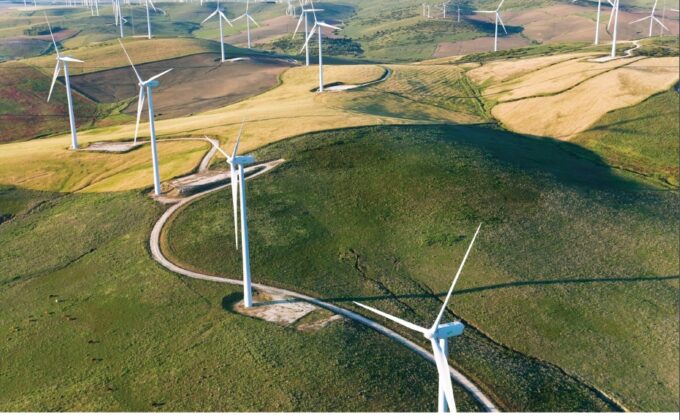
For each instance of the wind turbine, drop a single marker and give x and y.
(220, 16)
(236, 165)
(438, 334)
(148, 19)
(249, 19)
(318, 26)
(303, 16)
(63, 60)
(498, 20)
(146, 88)
(118, 15)
(615, 18)
(652, 18)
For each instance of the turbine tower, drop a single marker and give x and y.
(498, 20)
(614, 17)
(146, 88)
(220, 16)
(318, 26)
(63, 60)
(597, 22)
(438, 335)
(236, 166)
(249, 19)
(303, 16)
(652, 18)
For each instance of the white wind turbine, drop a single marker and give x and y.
(220, 16)
(438, 334)
(614, 17)
(248, 19)
(303, 16)
(118, 15)
(318, 26)
(498, 20)
(148, 19)
(652, 18)
(146, 89)
(238, 183)
(63, 60)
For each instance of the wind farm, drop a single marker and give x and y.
(339, 206)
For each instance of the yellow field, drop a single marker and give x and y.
(107, 55)
(566, 98)
(288, 110)
(505, 70)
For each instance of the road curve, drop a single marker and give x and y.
(154, 245)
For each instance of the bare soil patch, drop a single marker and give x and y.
(197, 83)
(279, 309)
(112, 147)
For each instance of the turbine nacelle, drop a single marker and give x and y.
(444, 331)
(242, 160)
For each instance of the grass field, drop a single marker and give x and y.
(90, 322)
(347, 219)
(642, 138)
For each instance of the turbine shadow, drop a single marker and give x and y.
(526, 283)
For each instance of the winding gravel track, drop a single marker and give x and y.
(154, 244)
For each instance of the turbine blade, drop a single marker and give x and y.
(253, 20)
(71, 60)
(399, 321)
(501, 22)
(234, 199)
(158, 75)
(302, 16)
(130, 61)
(311, 34)
(661, 23)
(152, 5)
(499, 6)
(54, 79)
(455, 280)
(209, 16)
(325, 25)
(640, 20)
(444, 374)
(226, 19)
(51, 34)
(238, 140)
(140, 106)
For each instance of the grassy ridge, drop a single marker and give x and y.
(566, 252)
(642, 138)
(94, 324)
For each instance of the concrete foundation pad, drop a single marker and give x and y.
(112, 147)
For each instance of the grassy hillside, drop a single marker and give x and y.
(90, 322)
(576, 265)
(642, 138)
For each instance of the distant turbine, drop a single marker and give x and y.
(148, 19)
(237, 163)
(438, 334)
(652, 18)
(220, 16)
(303, 16)
(118, 15)
(146, 87)
(614, 17)
(498, 20)
(318, 26)
(249, 19)
(63, 60)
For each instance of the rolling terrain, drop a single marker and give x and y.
(538, 201)
(570, 297)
